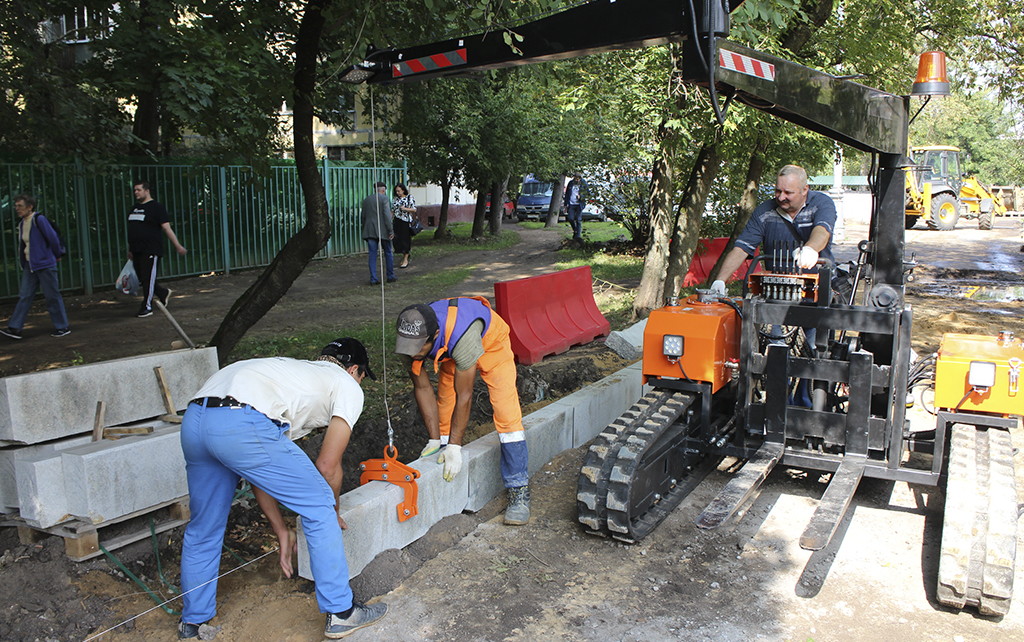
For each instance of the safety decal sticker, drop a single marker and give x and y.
(746, 65)
(429, 63)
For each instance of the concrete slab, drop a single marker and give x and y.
(628, 343)
(53, 404)
(597, 405)
(8, 481)
(106, 479)
(371, 514)
(40, 481)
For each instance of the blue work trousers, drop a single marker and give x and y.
(223, 444)
(30, 284)
(574, 214)
(389, 259)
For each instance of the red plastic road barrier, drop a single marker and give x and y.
(704, 259)
(549, 313)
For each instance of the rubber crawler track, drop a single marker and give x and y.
(617, 457)
(979, 530)
(592, 488)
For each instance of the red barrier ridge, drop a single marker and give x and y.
(549, 313)
(704, 259)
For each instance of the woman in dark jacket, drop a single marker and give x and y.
(403, 208)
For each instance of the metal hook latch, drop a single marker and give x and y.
(1014, 375)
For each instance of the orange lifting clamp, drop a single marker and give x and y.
(391, 470)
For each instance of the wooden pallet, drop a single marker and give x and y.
(82, 540)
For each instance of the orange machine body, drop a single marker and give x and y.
(711, 338)
(957, 352)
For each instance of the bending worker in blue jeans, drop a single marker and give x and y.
(242, 424)
(461, 336)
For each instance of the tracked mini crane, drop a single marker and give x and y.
(722, 371)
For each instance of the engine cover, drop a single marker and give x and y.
(709, 339)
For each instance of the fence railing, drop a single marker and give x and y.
(228, 218)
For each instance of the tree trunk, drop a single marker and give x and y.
(442, 215)
(815, 14)
(746, 205)
(498, 205)
(146, 125)
(296, 254)
(691, 211)
(557, 191)
(480, 212)
(648, 295)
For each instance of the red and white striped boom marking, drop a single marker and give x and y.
(746, 65)
(428, 63)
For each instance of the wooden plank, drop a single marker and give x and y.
(118, 542)
(165, 391)
(97, 426)
(28, 535)
(124, 431)
(741, 487)
(83, 547)
(833, 504)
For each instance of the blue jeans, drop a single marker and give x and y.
(30, 284)
(389, 259)
(574, 214)
(223, 444)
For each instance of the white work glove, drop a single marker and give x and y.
(451, 457)
(805, 257)
(433, 445)
(718, 287)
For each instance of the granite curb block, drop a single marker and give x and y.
(53, 404)
(102, 480)
(370, 510)
(628, 343)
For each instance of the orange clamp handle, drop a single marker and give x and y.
(393, 471)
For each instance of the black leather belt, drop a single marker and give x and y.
(219, 402)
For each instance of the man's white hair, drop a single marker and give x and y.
(795, 170)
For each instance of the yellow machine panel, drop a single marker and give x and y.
(709, 338)
(988, 368)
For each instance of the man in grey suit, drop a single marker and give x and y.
(377, 230)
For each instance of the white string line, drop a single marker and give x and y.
(135, 617)
(383, 312)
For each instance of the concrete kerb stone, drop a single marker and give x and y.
(370, 510)
(103, 480)
(44, 406)
(8, 478)
(628, 343)
(371, 514)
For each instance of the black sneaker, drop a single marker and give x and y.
(166, 298)
(61, 333)
(392, 280)
(362, 616)
(144, 313)
(11, 332)
(187, 630)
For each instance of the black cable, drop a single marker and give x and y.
(680, 362)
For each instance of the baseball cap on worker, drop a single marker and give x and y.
(349, 351)
(416, 324)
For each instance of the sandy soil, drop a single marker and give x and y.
(473, 579)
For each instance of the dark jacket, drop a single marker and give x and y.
(376, 215)
(584, 194)
(44, 244)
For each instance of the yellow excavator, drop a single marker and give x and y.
(938, 191)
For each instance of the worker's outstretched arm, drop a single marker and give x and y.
(733, 260)
(286, 539)
(427, 402)
(328, 462)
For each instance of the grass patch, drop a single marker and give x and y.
(607, 267)
(458, 240)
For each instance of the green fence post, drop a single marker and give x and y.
(85, 249)
(224, 219)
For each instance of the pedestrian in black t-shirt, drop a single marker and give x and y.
(146, 246)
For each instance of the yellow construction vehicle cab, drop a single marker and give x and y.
(940, 192)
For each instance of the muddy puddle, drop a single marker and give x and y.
(996, 293)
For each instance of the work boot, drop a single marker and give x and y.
(361, 616)
(187, 630)
(518, 511)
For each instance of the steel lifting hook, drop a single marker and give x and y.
(391, 470)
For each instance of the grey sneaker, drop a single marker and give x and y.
(188, 631)
(362, 616)
(518, 511)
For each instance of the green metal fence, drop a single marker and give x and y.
(227, 217)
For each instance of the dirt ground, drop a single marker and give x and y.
(472, 579)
